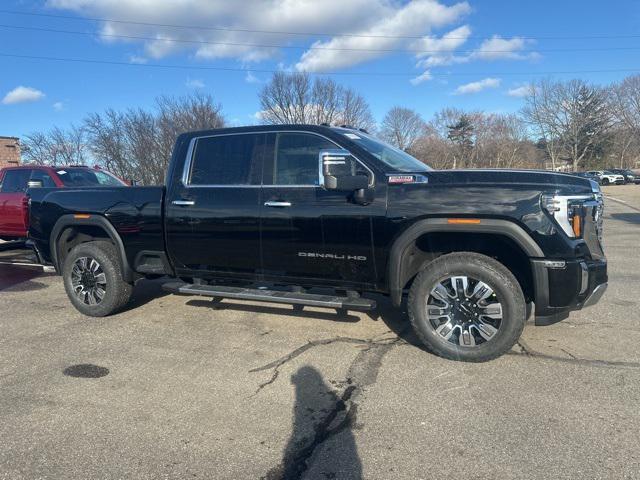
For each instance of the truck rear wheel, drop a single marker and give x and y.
(93, 279)
(466, 306)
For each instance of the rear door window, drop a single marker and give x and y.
(227, 160)
(15, 181)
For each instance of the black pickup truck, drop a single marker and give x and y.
(275, 213)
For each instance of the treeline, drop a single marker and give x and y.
(566, 125)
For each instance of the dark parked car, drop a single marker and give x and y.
(271, 213)
(629, 176)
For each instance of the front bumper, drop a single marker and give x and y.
(565, 286)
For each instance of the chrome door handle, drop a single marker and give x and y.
(277, 204)
(184, 203)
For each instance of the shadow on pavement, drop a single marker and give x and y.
(626, 217)
(283, 310)
(314, 398)
(19, 278)
(146, 291)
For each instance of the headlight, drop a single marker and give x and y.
(567, 211)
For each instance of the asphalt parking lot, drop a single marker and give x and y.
(184, 389)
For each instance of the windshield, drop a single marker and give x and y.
(85, 177)
(391, 156)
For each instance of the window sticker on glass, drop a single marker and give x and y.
(61, 172)
(352, 136)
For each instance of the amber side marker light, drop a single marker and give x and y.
(81, 216)
(463, 221)
(577, 226)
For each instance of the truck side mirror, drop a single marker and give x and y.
(338, 168)
(35, 184)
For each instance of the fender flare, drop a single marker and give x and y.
(67, 221)
(410, 235)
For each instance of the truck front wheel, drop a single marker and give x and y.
(93, 279)
(466, 306)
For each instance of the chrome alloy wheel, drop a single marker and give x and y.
(88, 280)
(464, 311)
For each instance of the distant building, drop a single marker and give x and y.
(9, 152)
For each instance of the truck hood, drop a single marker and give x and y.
(530, 179)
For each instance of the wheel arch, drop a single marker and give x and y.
(85, 229)
(404, 264)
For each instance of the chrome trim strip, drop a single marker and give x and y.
(186, 170)
(277, 204)
(596, 295)
(584, 278)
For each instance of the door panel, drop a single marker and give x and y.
(316, 234)
(321, 236)
(13, 221)
(215, 229)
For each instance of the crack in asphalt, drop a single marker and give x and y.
(276, 364)
(526, 351)
(362, 373)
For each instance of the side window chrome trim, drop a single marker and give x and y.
(186, 170)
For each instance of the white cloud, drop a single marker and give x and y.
(252, 18)
(194, 83)
(22, 95)
(421, 78)
(497, 48)
(409, 20)
(442, 51)
(434, 51)
(251, 78)
(384, 26)
(522, 91)
(58, 106)
(475, 87)
(138, 59)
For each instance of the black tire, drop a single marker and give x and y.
(605, 181)
(478, 268)
(115, 291)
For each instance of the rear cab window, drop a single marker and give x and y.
(47, 181)
(85, 177)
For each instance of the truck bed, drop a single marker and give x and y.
(134, 213)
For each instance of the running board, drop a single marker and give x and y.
(19, 254)
(272, 296)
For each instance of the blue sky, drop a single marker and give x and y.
(475, 54)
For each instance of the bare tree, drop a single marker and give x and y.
(137, 143)
(572, 117)
(294, 98)
(539, 112)
(625, 101)
(402, 127)
(355, 111)
(56, 147)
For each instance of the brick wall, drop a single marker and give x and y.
(9, 152)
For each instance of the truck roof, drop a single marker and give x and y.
(272, 128)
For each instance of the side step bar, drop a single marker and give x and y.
(21, 254)
(272, 296)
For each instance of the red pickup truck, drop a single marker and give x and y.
(14, 181)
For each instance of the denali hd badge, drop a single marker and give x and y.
(332, 256)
